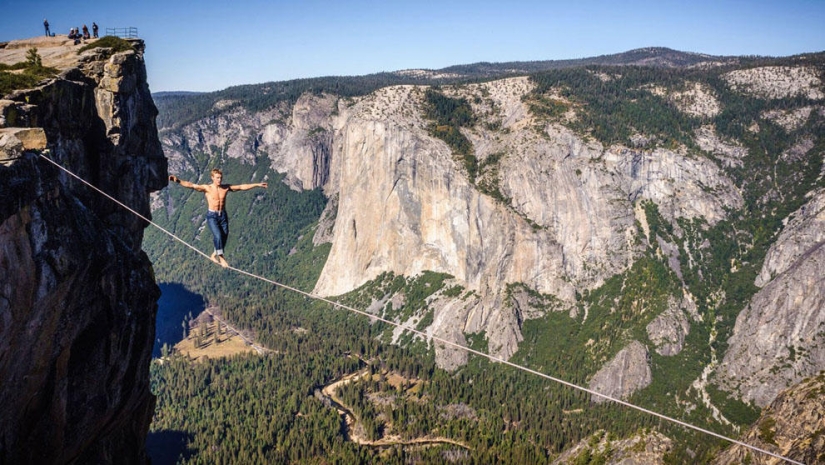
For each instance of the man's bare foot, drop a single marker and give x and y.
(222, 261)
(214, 258)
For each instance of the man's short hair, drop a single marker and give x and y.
(216, 171)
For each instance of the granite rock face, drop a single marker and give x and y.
(645, 448)
(77, 294)
(791, 426)
(779, 338)
(805, 231)
(625, 374)
(296, 139)
(668, 330)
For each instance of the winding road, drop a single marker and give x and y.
(350, 420)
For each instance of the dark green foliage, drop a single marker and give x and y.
(453, 291)
(419, 289)
(115, 43)
(448, 116)
(488, 177)
(656, 223)
(10, 82)
(33, 60)
(478, 341)
(447, 111)
(615, 107)
(766, 430)
(32, 73)
(733, 409)
(18, 65)
(252, 409)
(617, 312)
(386, 284)
(543, 106)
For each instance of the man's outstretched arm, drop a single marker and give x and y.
(187, 184)
(246, 187)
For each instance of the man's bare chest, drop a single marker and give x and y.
(216, 192)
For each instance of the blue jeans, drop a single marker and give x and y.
(219, 225)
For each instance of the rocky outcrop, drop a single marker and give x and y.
(668, 330)
(448, 324)
(15, 142)
(777, 81)
(728, 153)
(77, 294)
(779, 338)
(645, 448)
(790, 120)
(625, 374)
(793, 426)
(804, 231)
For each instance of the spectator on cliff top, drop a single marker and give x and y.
(94, 29)
(74, 33)
(86, 33)
(46, 25)
(216, 217)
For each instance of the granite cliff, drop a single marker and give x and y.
(779, 338)
(77, 294)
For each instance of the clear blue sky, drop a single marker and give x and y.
(207, 45)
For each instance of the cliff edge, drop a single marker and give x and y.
(77, 294)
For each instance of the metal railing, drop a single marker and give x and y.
(122, 32)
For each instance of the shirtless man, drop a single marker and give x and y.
(216, 214)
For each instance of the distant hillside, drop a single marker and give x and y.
(174, 94)
(180, 108)
(650, 56)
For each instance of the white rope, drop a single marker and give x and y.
(436, 338)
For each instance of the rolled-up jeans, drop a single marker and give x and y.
(219, 225)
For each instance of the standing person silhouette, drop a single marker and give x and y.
(216, 216)
(46, 25)
(94, 29)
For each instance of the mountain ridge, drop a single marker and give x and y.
(358, 85)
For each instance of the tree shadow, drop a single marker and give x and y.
(175, 302)
(168, 447)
